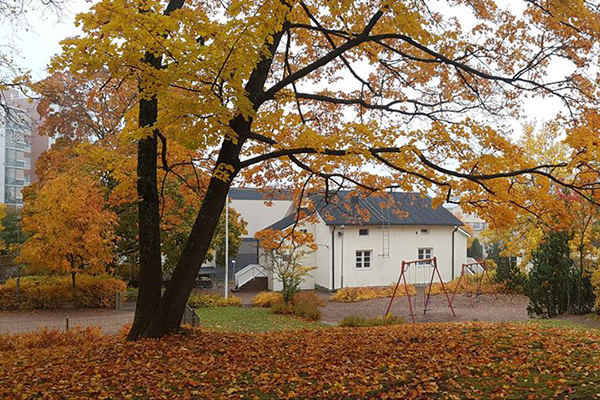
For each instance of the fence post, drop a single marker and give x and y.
(17, 288)
(67, 324)
(118, 301)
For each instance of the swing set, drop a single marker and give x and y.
(468, 293)
(427, 293)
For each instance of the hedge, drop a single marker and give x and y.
(53, 292)
(213, 300)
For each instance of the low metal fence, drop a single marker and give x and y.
(108, 325)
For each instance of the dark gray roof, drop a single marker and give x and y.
(287, 221)
(256, 194)
(391, 209)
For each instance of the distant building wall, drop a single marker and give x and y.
(20, 147)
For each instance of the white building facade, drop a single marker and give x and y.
(369, 251)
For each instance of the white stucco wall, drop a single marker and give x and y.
(259, 214)
(404, 244)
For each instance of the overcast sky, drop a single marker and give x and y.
(39, 40)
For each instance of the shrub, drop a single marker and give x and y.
(266, 299)
(309, 297)
(98, 291)
(305, 305)
(305, 310)
(554, 286)
(282, 308)
(356, 321)
(213, 300)
(51, 292)
(352, 294)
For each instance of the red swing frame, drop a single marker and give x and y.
(427, 294)
(462, 273)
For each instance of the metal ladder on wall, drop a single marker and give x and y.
(385, 227)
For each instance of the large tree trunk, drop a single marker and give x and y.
(150, 277)
(169, 312)
(156, 318)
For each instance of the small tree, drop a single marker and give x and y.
(554, 281)
(285, 254)
(69, 229)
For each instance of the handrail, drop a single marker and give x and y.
(248, 273)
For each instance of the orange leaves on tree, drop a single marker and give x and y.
(70, 229)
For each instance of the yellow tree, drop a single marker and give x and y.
(313, 91)
(69, 228)
(285, 255)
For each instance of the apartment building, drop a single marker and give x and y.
(20, 146)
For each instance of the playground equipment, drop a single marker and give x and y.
(427, 293)
(468, 268)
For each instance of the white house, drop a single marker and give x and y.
(362, 241)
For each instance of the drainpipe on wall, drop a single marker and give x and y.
(333, 259)
(453, 232)
(341, 235)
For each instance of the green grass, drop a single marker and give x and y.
(559, 323)
(250, 320)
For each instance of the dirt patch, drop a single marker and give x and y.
(486, 308)
(501, 307)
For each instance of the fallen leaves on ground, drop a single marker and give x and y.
(469, 284)
(360, 293)
(457, 360)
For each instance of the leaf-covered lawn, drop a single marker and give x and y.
(457, 360)
(248, 320)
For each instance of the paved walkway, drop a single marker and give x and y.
(486, 308)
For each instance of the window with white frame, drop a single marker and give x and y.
(363, 259)
(425, 253)
(363, 232)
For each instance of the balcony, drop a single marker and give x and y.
(21, 146)
(17, 164)
(15, 182)
(13, 201)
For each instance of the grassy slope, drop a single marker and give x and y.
(452, 360)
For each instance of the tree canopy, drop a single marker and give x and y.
(319, 95)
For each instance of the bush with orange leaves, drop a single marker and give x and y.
(51, 292)
(353, 294)
(268, 299)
